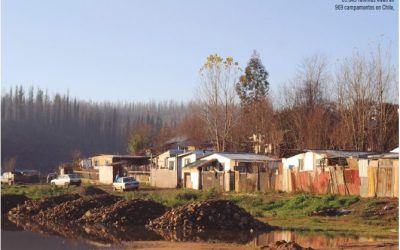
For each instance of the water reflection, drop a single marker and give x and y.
(99, 235)
(312, 239)
(92, 233)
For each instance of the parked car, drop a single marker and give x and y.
(66, 180)
(125, 183)
(50, 177)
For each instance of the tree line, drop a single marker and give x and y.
(40, 130)
(353, 108)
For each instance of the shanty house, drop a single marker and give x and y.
(322, 171)
(166, 170)
(109, 166)
(231, 160)
(193, 173)
(222, 170)
(311, 160)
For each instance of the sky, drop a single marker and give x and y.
(127, 50)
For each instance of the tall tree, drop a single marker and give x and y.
(364, 89)
(253, 85)
(256, 109)
(217, 97)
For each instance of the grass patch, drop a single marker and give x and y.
(174, 198)
(299, 205)
(35, 191)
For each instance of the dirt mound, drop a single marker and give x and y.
(32, 207)
(283, 245)
(72, 210)
(10, 201)
(201, 216)
(91, 190)
(134, 212)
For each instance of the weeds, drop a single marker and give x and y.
(35, 191)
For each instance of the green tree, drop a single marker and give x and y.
(139, 139)
(253, 85)
(256, 109)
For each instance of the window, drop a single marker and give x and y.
(165, 163)
(301, 164)
(171, 165)
(107, 162)
(186, 162)
(128, 179)
(96, 162)
(319, 163)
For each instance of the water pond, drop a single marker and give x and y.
(33, 236)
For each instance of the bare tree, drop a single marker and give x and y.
(217, 97)
(363, 96)
(9, 164)
(384, 75)
(305, 107)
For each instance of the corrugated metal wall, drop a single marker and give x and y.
(372, 178)
(382, 178)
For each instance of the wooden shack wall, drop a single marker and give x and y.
(211, 179)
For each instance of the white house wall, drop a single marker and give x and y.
(194, 177)
(292, 161)
(161, 159)
(106, 174)
(309, 160)
(191, 157)
(226, 162)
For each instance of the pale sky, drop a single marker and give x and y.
(126, 50)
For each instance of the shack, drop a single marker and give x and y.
(225, 171)
(105, 167)
(193, 174)
(322, 172)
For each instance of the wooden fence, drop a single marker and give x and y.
(90, 174)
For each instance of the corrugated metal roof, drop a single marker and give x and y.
(338, 153)
(200, 163)
(389, 155)
(197, 152)
(174, 152)
(245, 156)
(123, 156)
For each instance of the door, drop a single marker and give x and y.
(188, 181)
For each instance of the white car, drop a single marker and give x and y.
(66, 180)
(125, 183)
